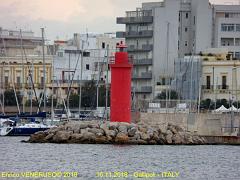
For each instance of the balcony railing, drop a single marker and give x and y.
(134, 20)
(135, 34)
(145, 75)
(222, 87)
(143, 89)
(144, 48)
(206, 87)
(219, 87)
(142, 61)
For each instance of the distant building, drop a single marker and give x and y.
(21, 55)
(159, 33)
(213, 75)
(96, 54)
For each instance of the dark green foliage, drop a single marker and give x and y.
(173, 95)
(10, 99)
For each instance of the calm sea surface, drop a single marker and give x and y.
(192, 162)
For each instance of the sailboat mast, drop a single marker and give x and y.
(44, 71)
(107, 82)
(23, 107)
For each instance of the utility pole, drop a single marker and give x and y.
(167, 77)
(44, 71)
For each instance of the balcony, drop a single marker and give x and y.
(135, 34)
(144, 48)
(218, 87)
(144, 75)
(222, 87)
(142, 62)
(135, 20)
(143, 89)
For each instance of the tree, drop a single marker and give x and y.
(207, 104)
(28, 103)
(10, 99)
(173, 95)
(221, 102)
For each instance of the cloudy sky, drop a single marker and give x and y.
(62, 18)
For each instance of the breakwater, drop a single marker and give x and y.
(98, 132)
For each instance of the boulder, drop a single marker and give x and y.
(144, 136)
(101, 140)
(132, 131)
(83, 125)
(161, 139)
(123, 129)
(38, 137)
(104, 127)
(111, 133)
(49, 137)
(76, 138)
(173, 129)
(88, 137)
(62, 137)
(100, 132)
(121, 138)
(177, 139)
(142, 129)
(113, 125)
(169, 136)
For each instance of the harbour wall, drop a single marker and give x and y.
(201, 124)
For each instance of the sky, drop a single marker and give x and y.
(62, 18)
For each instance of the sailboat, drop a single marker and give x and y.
(12, 125)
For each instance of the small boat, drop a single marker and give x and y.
(24, 130)
(10, 127)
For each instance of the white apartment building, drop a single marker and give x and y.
(227, 28)
(98, 50)
(159, 33)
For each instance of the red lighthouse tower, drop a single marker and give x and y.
(121, 86)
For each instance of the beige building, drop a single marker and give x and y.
(20, 56)
(220, 78)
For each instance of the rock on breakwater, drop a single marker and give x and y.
(97, 132)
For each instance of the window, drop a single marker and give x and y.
(18, 80)
(194, 20)
(103, 45)
(60, 54)
(226, 15)
(186, 15)
(87, 67)
(224, 82)
(86, 54)
(237, 55)
(238, 27)
(186, 29)
(163, 81)
(42, 82)
(227, 27)
(208, 78)
(6, 80)
(186, 43)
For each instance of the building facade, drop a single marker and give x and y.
(98, 50)
(21, 64)
(213, 75)
(159, 33)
